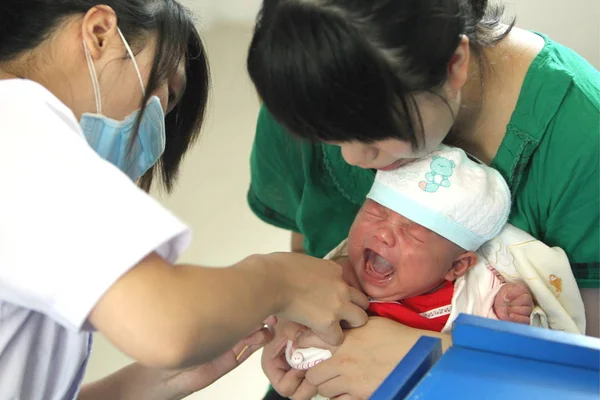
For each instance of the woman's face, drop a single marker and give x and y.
(390, 154)
(120, 87)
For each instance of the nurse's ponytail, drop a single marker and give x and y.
(26, 24)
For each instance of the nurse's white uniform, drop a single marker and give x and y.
(71, 224)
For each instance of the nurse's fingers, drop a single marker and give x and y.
(332, 335)
(260, 337)
(292, 330)
(309, 339)
(233, 358)
(350, 316)
(359, 298)
(242, 352)
(354, 316)
(271, 321)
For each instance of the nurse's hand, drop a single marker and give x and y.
(140, 382)
(348, 272)
(189, 381)
(365, 359)
(288, 382)
(316, 295)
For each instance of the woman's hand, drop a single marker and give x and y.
(139, 382)
(194, 379)
(348, 273)
(317, 296)
(287, 382)
(365, 359)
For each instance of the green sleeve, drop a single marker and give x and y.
(570, 185)
(276, 176)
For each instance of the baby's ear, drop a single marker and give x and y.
(461, 265)
(452, 163)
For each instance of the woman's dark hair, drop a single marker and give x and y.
(348, 70)
(25, 24)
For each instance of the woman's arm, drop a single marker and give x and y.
(377, 347)
(134, 382)
(298, 243)
(131, 382)
(179, 316)
(138, 382)
(591, 302)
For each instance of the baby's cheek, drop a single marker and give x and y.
(355, 248)
(359, 232)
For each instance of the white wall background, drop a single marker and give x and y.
(215, 175)
(575, 23)
(214, 11)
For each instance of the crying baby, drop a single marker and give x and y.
(416, 249)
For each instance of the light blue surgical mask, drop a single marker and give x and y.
(112, 139)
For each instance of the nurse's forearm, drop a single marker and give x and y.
(174, 317)
(133, 382)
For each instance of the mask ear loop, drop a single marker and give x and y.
(133, 60)
(94, 76)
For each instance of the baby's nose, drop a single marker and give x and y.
(385, 235)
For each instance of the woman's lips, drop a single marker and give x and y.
(376, 269)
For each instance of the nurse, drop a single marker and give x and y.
(84, 90)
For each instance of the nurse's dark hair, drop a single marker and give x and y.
(25, 24)
(348, 70)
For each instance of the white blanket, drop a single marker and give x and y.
(517, 256)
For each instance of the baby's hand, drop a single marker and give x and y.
(514, 303)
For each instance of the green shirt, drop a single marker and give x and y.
(549, 157)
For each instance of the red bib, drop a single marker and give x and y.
(428, 311)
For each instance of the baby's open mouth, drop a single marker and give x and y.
(377, 266)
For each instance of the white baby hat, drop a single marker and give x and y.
(462, 200)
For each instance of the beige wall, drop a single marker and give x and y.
(575, 23)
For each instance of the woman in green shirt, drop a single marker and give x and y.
(372, 84)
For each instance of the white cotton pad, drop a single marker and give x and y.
(303, 359)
